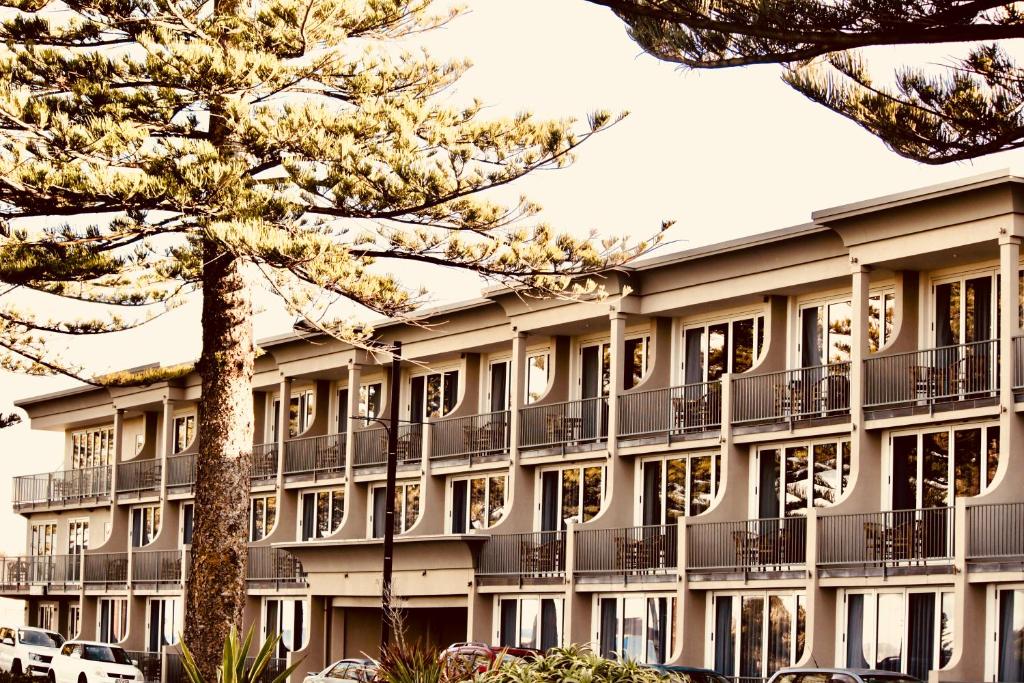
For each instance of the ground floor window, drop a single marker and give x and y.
(756, 634)
(1010, 635)
(531, 622)
(906, 631)
(636, 627)
(113, 620)
(477, 502)
(289, 619)
(74, 620)
(407, 508)
(163, 623)
(46, 616)
(322, 512)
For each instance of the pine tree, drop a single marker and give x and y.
(970, 106)
(152, 149)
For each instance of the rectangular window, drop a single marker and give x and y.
(636, 627)
(571, 494)
(322, 513)
(44, 540)
(145, 525)
(287, 618)
(677, 487)
(188, 515)
(370, 400)
(92, 447)
(262, 516)
(477, 502)
(932, 468)
(1010, 641)
(637, 357)
(78, 536)
(499, 396)
(433, 395)
(46, 616)
(795, 477)
(74, 620)
(538, 373)
(342, 411)
(758, 633)
(712, 349)
(112, 620)
(163, 623)
(407, 508)
(184, 432)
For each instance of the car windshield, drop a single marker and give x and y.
(40, 638)
(105, 653)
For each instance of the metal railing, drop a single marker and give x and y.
(1018, 363)
(149, 664)
(62, 487)
(671, 411)
(181, 471)
(274, 668)
(537, 554)
(264, 463)
(316, 455)
(800, 394)
(141, 476)
(887, 539)
(371, 445)
(473, 435)
(568, 423)
(274, 566)
(156, 567)
(928, 376)
(106, 569)
(174, 670)
(753, 545)
(995, 531)
(630, 550)
(19, 573)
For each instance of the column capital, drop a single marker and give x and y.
(1005, 238)
(857, 267)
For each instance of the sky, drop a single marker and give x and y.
(723, 153)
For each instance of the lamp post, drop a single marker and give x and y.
(389, 497)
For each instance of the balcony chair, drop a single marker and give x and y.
(691, 413)
(539, 558)
(874, 542)
(747, 548)
(563, 428)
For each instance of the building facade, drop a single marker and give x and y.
(803, 446)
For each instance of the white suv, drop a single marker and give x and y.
(28, 650)
(82, 661)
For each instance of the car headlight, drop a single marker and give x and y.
(33, 657)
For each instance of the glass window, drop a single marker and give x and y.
(112, 620)
(184, 432)
(407, 508)
(755, 634)
(145, 525)
(676, 487)
(370, 400)
(570, 494)
(826, 334)
(477, 502)
(439, 397)
(942, 473)
(262, 516)
(1010, 642)
(712, 349)
(637, 353)
(322, 513)
(530, 622)
(44, 539)
(537, 374)
(795, 477)
(92, 448)
(636, 627)
(164, 623)
(287, 618)
(78, 536)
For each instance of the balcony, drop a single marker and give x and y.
(181, 472)
(137, 479)
(63, 488)
(882, 543)
(371, 446)
(774, 546)
(28, 574)
(264, 464)
(816, 394)
(995, 537)
(1018, 368)
(579, 425)
(315, 457)
(157, 569)
(631, 551)
(665, 415)
(271, 567)
(106, 571)
(474, 438)
(537, 557)
(932, 379)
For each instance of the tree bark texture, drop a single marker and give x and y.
(216, 586)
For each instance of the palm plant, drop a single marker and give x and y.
(234, 667)
(571, 663)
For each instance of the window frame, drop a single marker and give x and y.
(400, 500)
(184, 418)
(580, 467)
(119, 619)
(331, 493)
(545, 353)
(154, 514)
(671, 607)
(688, 456)
(961, 277)
(92, 447)
(267, 530)
(443, 373)
(519, 599)
(78, 529)
(304, 637)
(177, 622)
(730, 320)
(52, 525)
(468, 478)
(809, 444)
(737, 596)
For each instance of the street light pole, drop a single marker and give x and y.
(389, 497)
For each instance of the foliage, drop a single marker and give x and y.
(233, 668)
(969, 107)
(571, 663)
(8, 677)
(405, 662)
(9, 419)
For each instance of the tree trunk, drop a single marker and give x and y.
(217, 579)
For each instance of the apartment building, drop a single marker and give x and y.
(802, 446)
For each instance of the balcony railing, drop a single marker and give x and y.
(181, 471)
(537, 554)
(930, 376)
(886, 539)
(139, 477)
(269, 565)
(671, 411)
(156, 567)
(995, 532)
(471, 436)
(632, 550)
(753, 545)
(315, 455)
(1018, 363)
(802, 394)
(109, 570)
(371, 445)
(19, 573)
(264, 463)
(65, 487)
(570, 423)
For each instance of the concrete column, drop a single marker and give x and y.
(518, 397)
(577, 605)
(284, 395)
(168, 445)
(861, 281)
(118, 440)
(820, 629)
(1010, 475)
(519, 497)
(354, 525)
(617, 321)
(688, 649)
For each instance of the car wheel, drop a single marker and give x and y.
(50, 677)
(82, 679)
(16, 668)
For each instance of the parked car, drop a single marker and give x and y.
(28, 650)
(359, 670)
(83, 661)
(692, 673)
(809, 675)
(479, 657)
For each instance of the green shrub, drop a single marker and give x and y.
(414, 663)
(233, 667)
(571, 665)
(11, 678)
